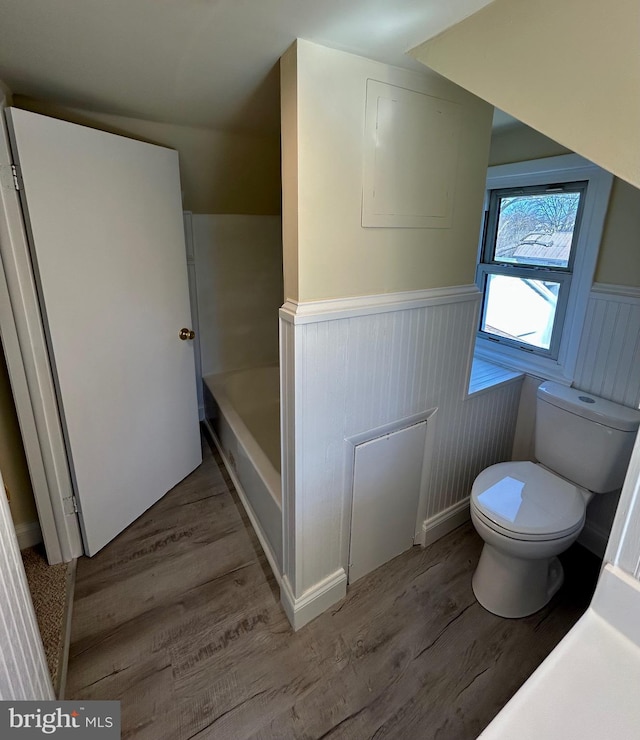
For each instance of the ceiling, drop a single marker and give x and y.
(211, 63)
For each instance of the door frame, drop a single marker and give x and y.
(30, 372)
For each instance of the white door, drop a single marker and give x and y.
(104, 217)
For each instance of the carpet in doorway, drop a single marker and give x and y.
(50, 587)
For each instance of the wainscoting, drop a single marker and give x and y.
(357, 365)
(23, 668)
(609, 355)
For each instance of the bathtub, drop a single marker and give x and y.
(242, 410)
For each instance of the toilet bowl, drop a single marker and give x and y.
(526, 515)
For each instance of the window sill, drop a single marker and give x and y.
(486, 376)
(526, 363)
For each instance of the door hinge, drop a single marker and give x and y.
(16, 176)
(70, 505)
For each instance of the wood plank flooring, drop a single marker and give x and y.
(179, 618)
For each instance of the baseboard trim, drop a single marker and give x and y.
(255, 522)
(315, 600)
(446, 521)
(28, 534)
(594, 538)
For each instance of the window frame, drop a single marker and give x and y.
(489, 265)
(563, 278)
(559, 361)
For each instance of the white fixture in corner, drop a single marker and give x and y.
(528, 513)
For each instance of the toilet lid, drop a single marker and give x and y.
(526, 499)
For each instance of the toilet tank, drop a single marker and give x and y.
(583, 438)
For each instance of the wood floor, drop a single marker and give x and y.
(179, 619)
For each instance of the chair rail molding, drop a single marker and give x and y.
(622, 291)
(307, 312)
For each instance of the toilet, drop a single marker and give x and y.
(528, 513)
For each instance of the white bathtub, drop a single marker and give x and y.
(242, 410)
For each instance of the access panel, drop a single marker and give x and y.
(386, 490)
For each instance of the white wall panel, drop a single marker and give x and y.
(356, 373)
(609, 356)
(609, 366)
(387, 476)
(410, 155)
(23, 668)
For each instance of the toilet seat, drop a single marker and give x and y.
(524, 501)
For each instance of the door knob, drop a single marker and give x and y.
(187, 334)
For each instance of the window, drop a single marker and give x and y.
(527, 262)
(538, 248)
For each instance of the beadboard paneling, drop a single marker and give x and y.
(23, 668)
(355, 374)
(480, 433)
(609, 355)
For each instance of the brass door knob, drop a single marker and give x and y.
(186, 334)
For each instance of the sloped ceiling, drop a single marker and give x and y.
(569, 69)
(209, 63)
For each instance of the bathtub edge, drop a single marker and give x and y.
(255, 522)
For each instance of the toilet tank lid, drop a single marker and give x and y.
(591, 407)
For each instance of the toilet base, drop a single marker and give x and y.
(512, 587)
